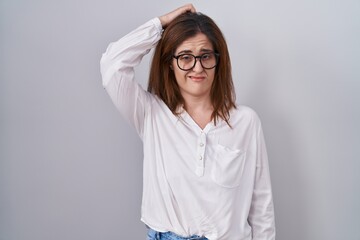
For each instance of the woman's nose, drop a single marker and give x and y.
(198, 67)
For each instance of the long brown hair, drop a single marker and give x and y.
(162, 80)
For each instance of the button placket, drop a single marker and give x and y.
(200, 154)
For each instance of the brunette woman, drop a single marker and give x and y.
(206, 173)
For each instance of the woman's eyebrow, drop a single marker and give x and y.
(201, 50)
(185, 51)
(206, 50)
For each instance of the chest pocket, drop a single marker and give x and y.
(228, 166)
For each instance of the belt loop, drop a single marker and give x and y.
(158, 235)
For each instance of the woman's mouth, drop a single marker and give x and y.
(197, 78)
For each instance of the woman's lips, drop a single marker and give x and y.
(197, 78)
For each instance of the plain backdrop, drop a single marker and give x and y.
(71, 168)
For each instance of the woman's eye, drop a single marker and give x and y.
(185, 58)
(206, 56)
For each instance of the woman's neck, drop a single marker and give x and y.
(200, 110)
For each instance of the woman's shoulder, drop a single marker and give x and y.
(245, 110)
(244, 113)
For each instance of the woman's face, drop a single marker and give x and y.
(196, 82)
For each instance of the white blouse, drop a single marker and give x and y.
(212, 182)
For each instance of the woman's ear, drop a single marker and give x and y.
(171, 67)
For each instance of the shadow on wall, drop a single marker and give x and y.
(285, 159)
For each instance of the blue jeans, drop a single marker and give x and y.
(154, 235)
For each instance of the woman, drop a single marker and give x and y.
(206, 173)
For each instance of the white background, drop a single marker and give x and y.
(72, 169)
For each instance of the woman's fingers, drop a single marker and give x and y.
(167, 18)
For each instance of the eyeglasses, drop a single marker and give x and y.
(187, 61)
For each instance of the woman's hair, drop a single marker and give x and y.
(162, 80)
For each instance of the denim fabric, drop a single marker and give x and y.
(154, 235)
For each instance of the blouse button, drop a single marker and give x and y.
(201, 144)
(200, 158)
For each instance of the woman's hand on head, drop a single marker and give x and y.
(167, 18)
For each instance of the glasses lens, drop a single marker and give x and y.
(186, 61)
(208, 60)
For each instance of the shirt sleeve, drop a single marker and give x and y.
(117, 70)
(261, 216)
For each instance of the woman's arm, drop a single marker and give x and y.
(261, 216)
(117, 70)
(118, 62)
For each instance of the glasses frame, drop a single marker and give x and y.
(196, 59)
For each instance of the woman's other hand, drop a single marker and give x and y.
(167, 18)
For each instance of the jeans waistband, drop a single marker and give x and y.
(155, 235)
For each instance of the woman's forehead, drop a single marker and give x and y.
(198, 43)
